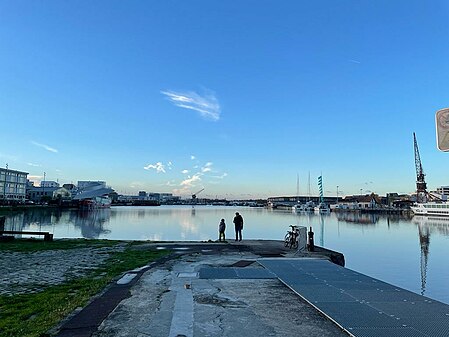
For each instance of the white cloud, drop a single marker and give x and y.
(159, 167)
(221, 176)
(207, 105)
(34, 178)
(190, 181)
(355, 61)
(192, 157)
(34, 165)
(170, 183)
(207, 167)
(44, 146)
(185, 171)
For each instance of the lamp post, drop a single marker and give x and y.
(337, 194)
(43, 187)
(4, 185)
(361, 191)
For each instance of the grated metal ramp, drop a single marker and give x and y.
(235, 273)
(363, 306)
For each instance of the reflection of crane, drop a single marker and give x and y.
(194, 194)
(424, 241)
(421, 186)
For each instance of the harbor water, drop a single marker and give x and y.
(407, 252)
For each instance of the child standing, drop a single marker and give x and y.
(221, 230)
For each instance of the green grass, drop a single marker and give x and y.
(31, 315)
(34, 245)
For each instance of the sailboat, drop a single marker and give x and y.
(309, 205)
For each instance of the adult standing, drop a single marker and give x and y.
(238, 223)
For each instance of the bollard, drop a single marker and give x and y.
(311, 243)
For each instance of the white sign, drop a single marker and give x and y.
(442, 124)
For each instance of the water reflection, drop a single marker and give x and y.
(358, 218)
(91, 224)
(427, 225)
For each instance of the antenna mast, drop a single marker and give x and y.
(421, 186)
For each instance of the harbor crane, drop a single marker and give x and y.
(421, 186)
(195, 194)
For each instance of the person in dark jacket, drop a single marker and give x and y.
(221, 230)
(238, 223)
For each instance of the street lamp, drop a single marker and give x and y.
(361, 191)
(4, 186)
(43, 187)
(337, 194)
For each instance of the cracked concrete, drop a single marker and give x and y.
(163, 304)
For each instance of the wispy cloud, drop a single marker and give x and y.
(159, 167)
(171, 183)
(185, 171)
(221, 176)
(34, 165)
(192, 157)
(355, 61)
(207, 167)
(44, 146)
(207, 105)
(190, 181)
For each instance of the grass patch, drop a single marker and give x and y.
(32, 315)
(34, 245)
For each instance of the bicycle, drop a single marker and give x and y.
(291, 238)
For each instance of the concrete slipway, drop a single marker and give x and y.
(254, 288)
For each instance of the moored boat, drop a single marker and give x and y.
(431, 208)
(322, 208)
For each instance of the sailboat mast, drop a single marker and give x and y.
(297, 185)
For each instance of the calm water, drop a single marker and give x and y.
(412, 253)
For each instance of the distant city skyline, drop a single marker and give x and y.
(237, 98)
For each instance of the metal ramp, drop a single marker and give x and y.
(363, 306)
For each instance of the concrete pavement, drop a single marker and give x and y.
(210, 289)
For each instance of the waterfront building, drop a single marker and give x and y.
(142, 195)
(290, 201)
(12, 186)
(62, 194)
(360, 202)
(443, 190)
(39, 193)
(49, 183)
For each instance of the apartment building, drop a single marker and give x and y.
(12, 185)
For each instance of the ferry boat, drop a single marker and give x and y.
(431, 208)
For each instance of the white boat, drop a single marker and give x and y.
(431, 208)
(309, 206)
(322, 208)
(298, 208)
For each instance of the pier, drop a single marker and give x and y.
(260, 288)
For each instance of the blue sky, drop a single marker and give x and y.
(237, 97)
